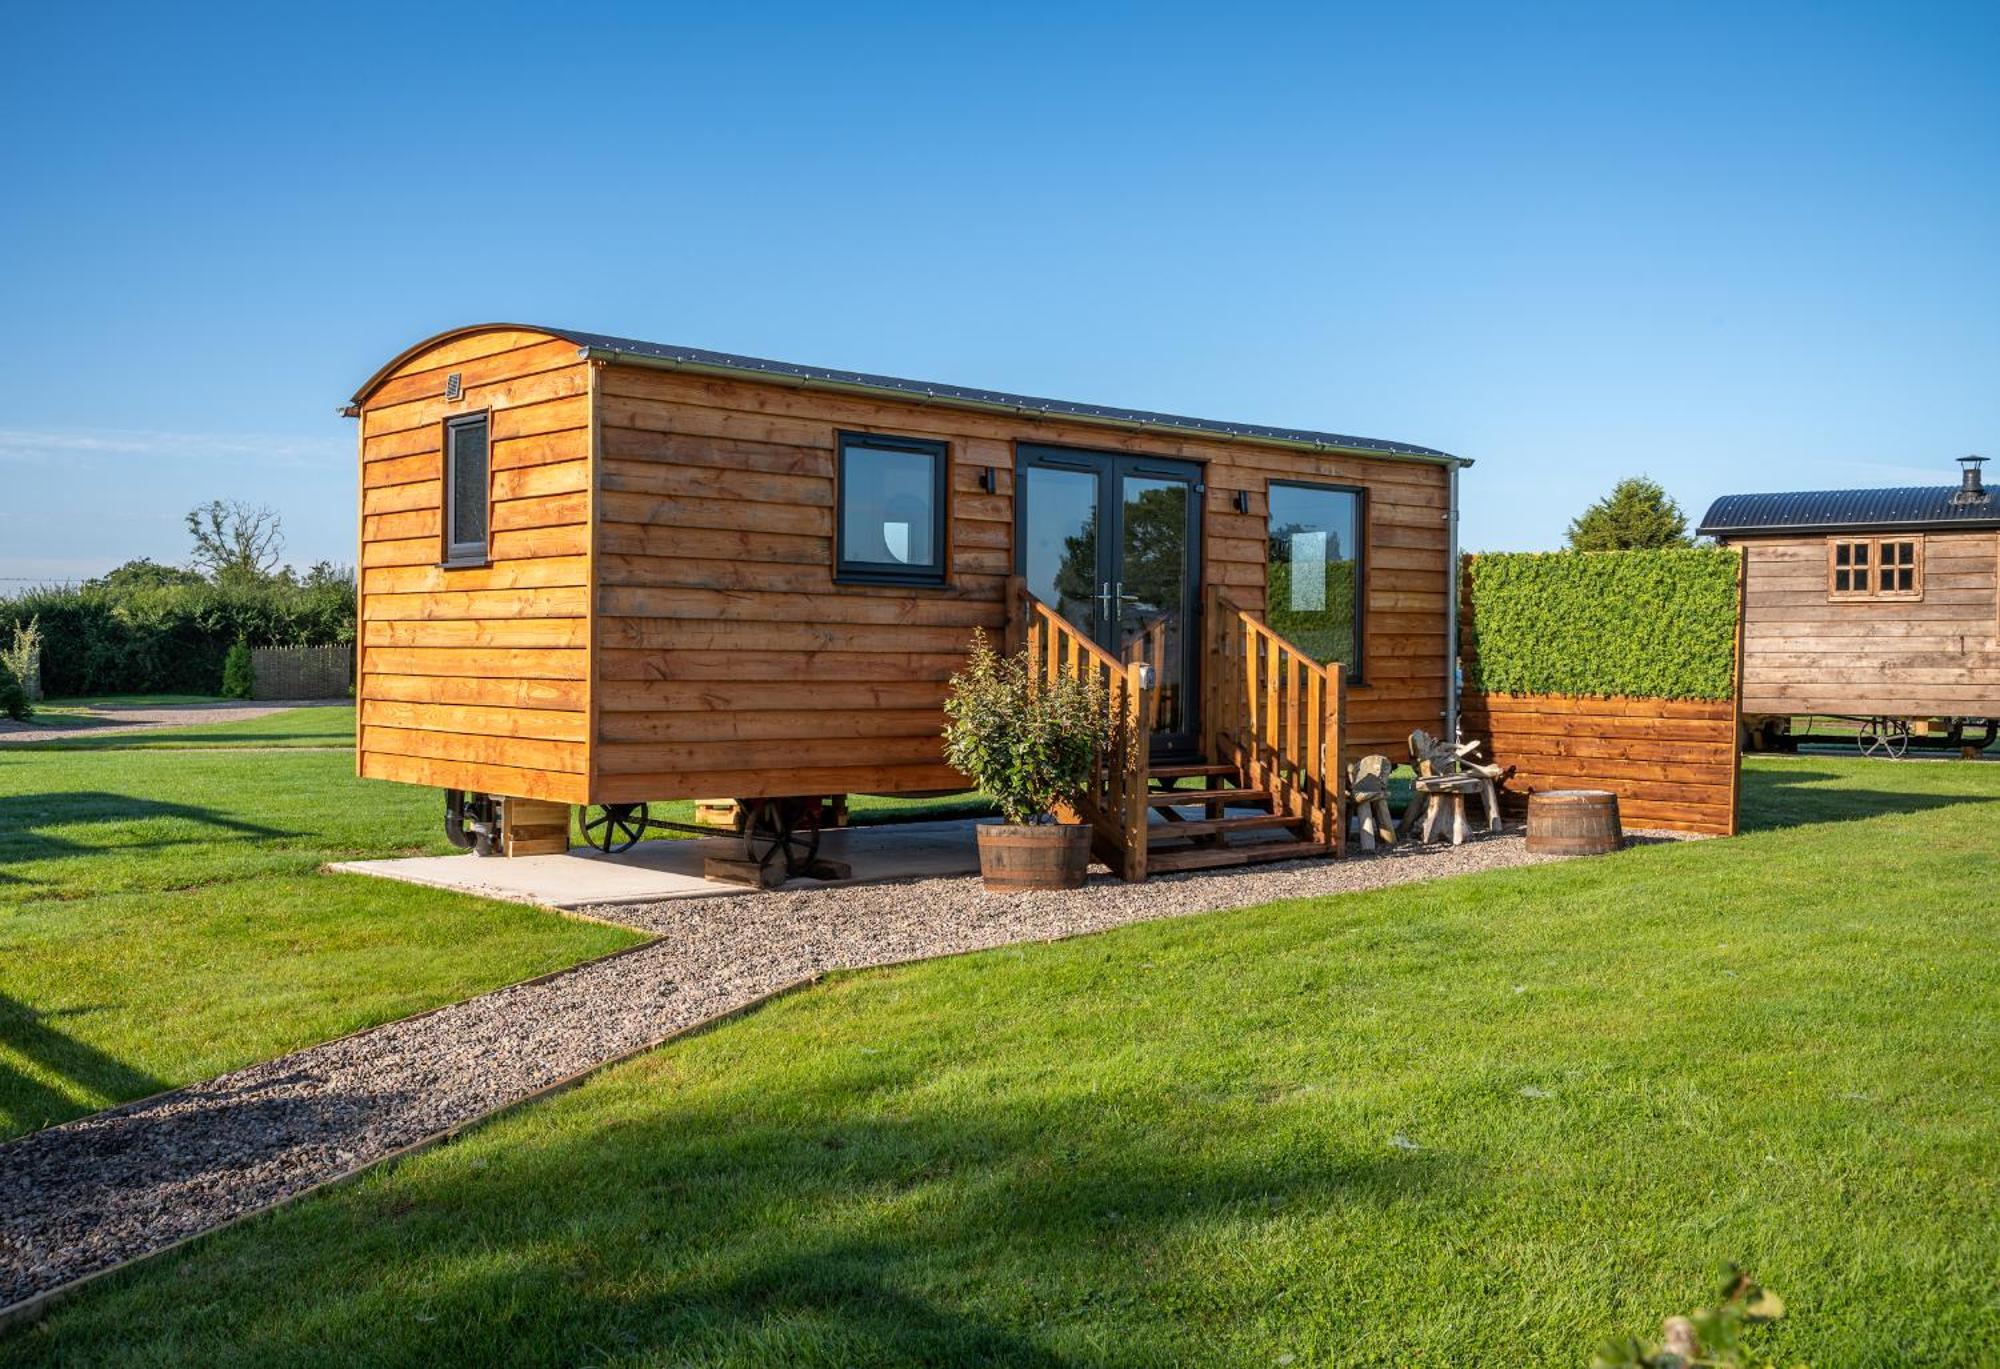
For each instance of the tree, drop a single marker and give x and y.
(1636, 516)
(234, 540)
(141, 574)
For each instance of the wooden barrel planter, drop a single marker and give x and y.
(1574, 822)
(1016, 860)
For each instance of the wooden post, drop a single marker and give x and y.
(1016, 630)
(1137, 743)
(1211, 670)
(531, 827)
(1335, 759)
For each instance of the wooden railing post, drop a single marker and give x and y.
(1335, 756)
(1137, 744)
(1018, 613)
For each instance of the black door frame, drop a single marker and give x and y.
(1110, 468)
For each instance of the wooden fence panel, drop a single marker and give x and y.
(1672, 764)
(301, 672)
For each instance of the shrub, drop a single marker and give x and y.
(1028, 745)
(160, 634)
(23, 656)
(1649, 624)
(238, 677)
(13, 698)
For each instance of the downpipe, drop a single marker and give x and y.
(472, 826)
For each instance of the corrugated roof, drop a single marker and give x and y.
(666, 355)
(1897, 509)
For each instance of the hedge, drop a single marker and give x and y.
(171, 639)
(1646, 624)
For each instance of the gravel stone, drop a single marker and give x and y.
(88, 1194)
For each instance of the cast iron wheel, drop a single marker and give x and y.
(614, 827)
(783, 829)
(1884, 738)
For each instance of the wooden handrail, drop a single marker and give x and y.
(1114, 803)
(1277, 714)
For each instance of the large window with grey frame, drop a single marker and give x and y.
(467, 492)
(1314, 576)
(889, 525)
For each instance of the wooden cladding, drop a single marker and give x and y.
(1932, 652)
(658, 614)
(475, 628)
(1673, 765)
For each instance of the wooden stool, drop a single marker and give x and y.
(1368, 792)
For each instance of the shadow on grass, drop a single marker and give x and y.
(27, 1102)
(27, 820)
(1787, 797)
(168, 739)
(970, 1235)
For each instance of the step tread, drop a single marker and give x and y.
(1181, 798)
(1189, 771)
(1208, 857)
(1197, 827)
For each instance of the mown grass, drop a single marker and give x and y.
(331, 726)
(1488, 1120)
(162, 918)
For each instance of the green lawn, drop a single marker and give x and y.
(161, 918)
(331, 726)
(1486, 1121)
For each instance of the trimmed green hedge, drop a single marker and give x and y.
(171, 639)
(1650, 624)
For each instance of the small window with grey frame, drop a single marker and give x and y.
(467, 493)
(890, 524)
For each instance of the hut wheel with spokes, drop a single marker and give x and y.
(614, 827)
(783, 829)
(1884, 738)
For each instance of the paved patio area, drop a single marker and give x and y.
(654, 871)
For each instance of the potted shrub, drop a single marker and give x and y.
(1029, 745)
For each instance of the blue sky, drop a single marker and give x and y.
(1736, 247)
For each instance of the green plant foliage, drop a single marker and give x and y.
(13, 698)
(1028, 745)
(159, 632)
(1638, 515)
(239, 678)
(1648, 624)
(1711, 1338)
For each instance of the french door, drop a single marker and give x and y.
(1113, 543)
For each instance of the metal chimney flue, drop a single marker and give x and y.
(1971, 489)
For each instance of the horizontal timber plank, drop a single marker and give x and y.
(512, 781)
(543, 601)
(559, 757)
(534, 723)
(830, 606)
(699, 784)
(489, 691)
(546, 572)
(823, 635)
(493, 662)
(751, 666)
(785, 696)
(497, 632)
(734, 722)
(629, 758)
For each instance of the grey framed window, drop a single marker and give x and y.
(467, 490)
(1315, 576)
(889, 510)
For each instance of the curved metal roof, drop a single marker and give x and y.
(668, 356)
(1905, 507)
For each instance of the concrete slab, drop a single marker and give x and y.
(667, 868)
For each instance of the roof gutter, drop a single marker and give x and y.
(1033, 412)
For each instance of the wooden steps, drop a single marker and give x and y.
(1180, 798)
(1208, 857)
(1203, 843)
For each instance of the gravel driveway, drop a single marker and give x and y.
(86, 1195)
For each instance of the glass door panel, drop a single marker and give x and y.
(1059, 554)
(1152, 588)
(1112, 543)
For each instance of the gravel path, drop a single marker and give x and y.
(80, 1197)
(109, 720)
